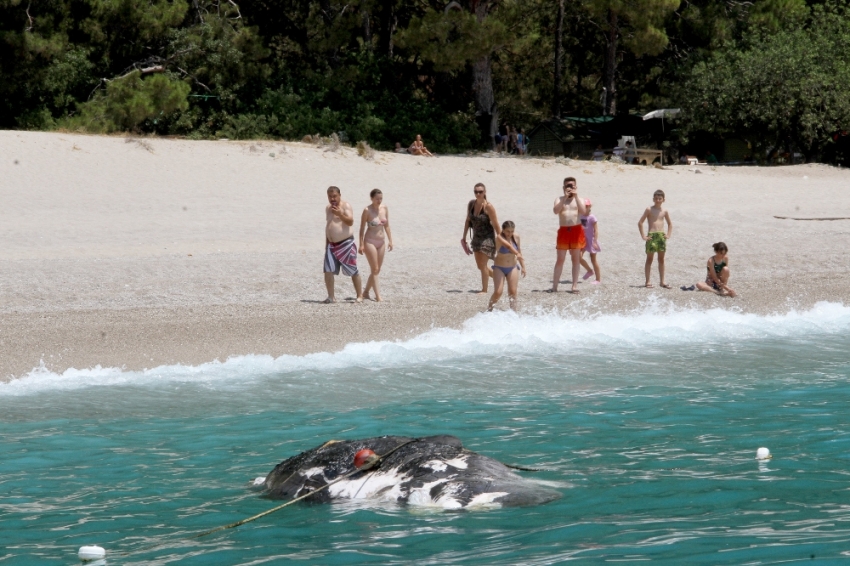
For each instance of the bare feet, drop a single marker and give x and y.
(484, 292)
(574, 291)
(377, 299)
(551, 290)
(328, 301)
(649, 285)
(358, 300)
(666, 286)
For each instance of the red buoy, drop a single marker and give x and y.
(364, 457)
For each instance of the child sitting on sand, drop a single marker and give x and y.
(717, 278)
(507, 266)
(656, 241)
(591, 236)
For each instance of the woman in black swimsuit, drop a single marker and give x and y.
(481, 219)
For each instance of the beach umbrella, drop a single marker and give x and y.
(661, 113)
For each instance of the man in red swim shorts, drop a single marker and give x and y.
(571, 233)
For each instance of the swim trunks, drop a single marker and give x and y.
(571, 238)
(657, 242)
(341, 255)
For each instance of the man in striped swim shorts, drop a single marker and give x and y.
(340, 249)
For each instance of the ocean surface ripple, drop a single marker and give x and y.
(647, 423)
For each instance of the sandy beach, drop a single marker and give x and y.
(141, 252)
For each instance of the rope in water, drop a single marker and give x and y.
(368, 466)
(524, 469)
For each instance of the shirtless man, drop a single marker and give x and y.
(656, 240)
(340, 250)
(571, 232)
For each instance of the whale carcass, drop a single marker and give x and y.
(432, 471)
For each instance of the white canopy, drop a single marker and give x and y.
(662, 113)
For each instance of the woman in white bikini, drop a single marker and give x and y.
(374, 223)
(418, 147)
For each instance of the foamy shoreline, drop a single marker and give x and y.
(133, 255)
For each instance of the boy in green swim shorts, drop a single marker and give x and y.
(656, 241)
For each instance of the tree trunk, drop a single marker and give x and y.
(559, 57)
(367, 29)
(388, 24)
(610, 105)
(486, 113)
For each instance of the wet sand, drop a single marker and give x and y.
(141, 252)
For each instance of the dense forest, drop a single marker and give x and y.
(775, 72)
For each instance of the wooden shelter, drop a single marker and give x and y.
(548, 138)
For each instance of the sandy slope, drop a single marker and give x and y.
(138, 253)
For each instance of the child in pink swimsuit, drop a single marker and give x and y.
(591, 236)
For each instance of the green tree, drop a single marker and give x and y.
(785, 87)
(455, 37)
(637, 25)
(128, 101)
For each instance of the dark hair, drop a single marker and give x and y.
(375, 192)
(480, 185)
(659, 192)
(333, 189)
(570, 179)
(508, 224)
(720, 247)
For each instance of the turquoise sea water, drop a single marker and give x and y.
(647, 423)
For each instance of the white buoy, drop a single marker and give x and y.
(763, 454)
(91, 552)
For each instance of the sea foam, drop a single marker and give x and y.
(655, 325)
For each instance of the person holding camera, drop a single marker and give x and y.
(570, 234)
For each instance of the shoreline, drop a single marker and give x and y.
(185, 252)
(144, 338)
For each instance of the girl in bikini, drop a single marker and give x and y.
(717, 273)
(507, 266)
(374, 223)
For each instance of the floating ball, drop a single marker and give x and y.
(91, 552)
(763, 454)
(364, 457)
